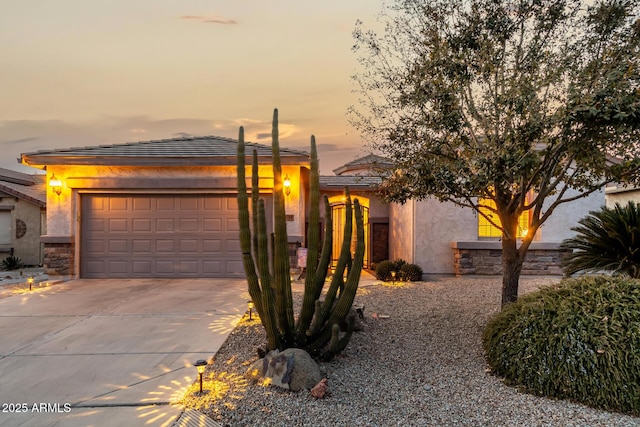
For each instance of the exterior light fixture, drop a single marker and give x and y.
(286, 183)
(55, 184)
(393, 277)
(200, 365)
(30, 282)
(250, 305)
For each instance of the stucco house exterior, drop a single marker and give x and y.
(168, 208)
(22, 216)
(444, 238)
(165, 208)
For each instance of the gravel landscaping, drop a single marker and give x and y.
(421, 366)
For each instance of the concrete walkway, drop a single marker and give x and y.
(110, 352)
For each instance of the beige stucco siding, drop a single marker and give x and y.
(402, 231)
(26, 247)
(622, 196)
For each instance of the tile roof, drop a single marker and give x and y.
(198, 150)
(28, 187)
(353, 181)
(370, 161)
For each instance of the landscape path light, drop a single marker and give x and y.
(30, 282)
(393, 277)
(250, 305)
(200, 365)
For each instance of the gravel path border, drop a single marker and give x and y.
(421, 366)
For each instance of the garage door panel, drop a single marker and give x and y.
(141, 225)
(118, 204)
(141, 246)
(164, 225)
(118, 225)
(188, 224)
(118, 246)
(142, 267)
(189, 245)
(118, 267)
(212, 224)
(142, 204)
(160, 236)
(96, 225)
(165, 204)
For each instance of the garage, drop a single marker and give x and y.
(146, 235)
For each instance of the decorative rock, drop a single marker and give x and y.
(320, 389)
(291, 369)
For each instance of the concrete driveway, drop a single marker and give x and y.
(110, 352)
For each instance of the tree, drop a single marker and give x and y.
(606, 240)
(528, 104)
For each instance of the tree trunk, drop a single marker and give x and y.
(511, 269)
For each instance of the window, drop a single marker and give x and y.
(486, 229)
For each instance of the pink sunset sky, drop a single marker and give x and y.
(83, 73)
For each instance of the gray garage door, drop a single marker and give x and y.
(159, 236)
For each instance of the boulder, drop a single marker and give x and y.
(291, 369)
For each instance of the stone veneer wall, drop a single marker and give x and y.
(485, 258)
(59, 256)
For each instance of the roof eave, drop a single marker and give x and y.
(43, 161)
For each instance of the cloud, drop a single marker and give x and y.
(19, 140)
(213, 19)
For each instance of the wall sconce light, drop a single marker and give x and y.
(286, 183)
(250, 305)
(200, 365)
(30, 282)
(55, 184)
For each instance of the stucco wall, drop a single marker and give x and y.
(622, 196)
(401, 231)
(422, 232)
(437, 224)
(62, 210)
(558, 226)
(27, 247)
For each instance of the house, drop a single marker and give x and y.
(22, 216)
(168, 208)
(165, 208)
(444, 238)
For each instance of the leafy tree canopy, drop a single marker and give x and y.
(529, 103)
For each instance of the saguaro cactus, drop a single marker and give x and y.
(316, 328)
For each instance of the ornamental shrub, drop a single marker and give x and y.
(411, 273)
(12, 263)
(577, 340)
(383, 270)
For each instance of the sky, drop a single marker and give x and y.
(83, 73)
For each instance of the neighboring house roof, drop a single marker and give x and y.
(370, 162)
(203, 151)
(354, 182)
(31, 188)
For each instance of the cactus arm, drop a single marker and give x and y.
(269, 320)
(255, 195)
(344, 303)
(345, 256)
(336, 344)
(245, 232)
(282, 281)
(309, 298)
(327, 247)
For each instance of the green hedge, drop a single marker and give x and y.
(577, 340)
